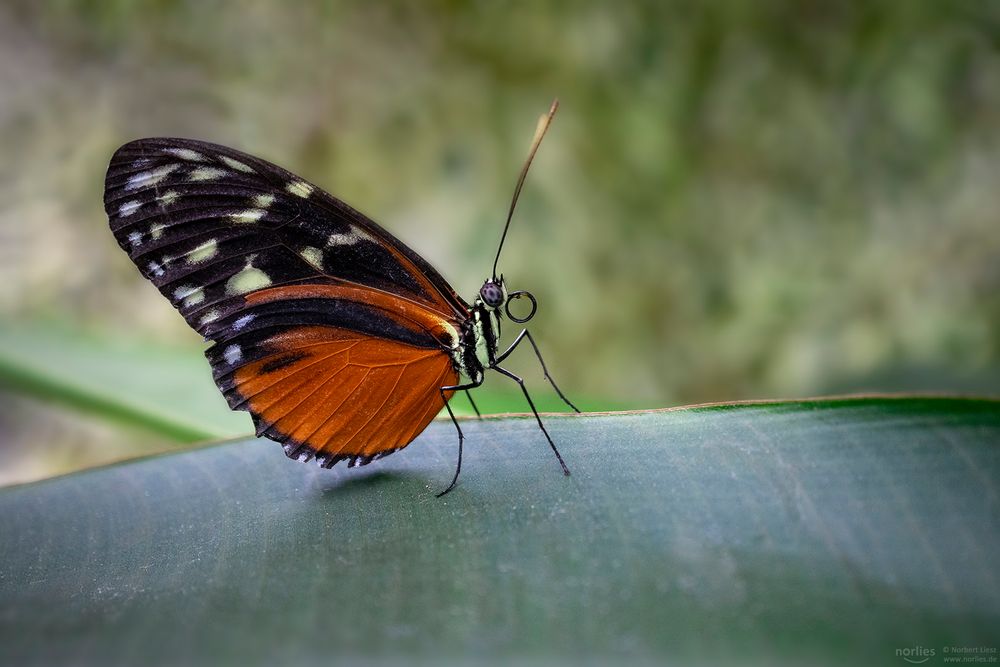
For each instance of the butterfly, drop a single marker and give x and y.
(341, 342)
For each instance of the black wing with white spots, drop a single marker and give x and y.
(209, 225)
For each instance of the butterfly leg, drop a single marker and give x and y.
(461, 436)
(531, 403)
(474, 406)
(527, 334)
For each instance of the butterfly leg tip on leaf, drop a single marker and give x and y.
(446, 491)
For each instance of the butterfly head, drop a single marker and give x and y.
(493, 293)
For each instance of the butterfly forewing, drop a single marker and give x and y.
(229, 222)
(328, 330)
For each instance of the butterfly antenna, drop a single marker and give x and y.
(543, 125)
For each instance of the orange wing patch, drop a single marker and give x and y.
(335, 395)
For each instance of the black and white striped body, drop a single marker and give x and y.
(480, 338)
(480, 335)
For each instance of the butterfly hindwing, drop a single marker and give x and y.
(336, 395)
(329, 331)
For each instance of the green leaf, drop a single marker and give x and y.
(167, 390)
(830, 531)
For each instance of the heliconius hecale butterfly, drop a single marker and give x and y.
(341, 342)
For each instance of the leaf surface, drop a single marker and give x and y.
(820, 532)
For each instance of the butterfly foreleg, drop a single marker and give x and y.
(531, 403)
(527, 334)
(461, 436)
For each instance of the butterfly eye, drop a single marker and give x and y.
(491, 294)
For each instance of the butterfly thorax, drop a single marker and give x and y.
(480, 336)
(478, 347)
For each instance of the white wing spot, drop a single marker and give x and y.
(263, 201)
(236, 164)
(243, 321)
(135, 238)
(313, 255)
(349, 238)
(151, 177)
(232, 354)
(129, 207)
(186, 154)
(300, 188)
(248, 216)
(195, 297)
(247, 280)
(209, 317)
(156, 231)
(203, 252)
(189, 295)
(452, 333)
(155, 269)
(168, 198)
(206, 174)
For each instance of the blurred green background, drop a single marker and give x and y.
(736, 200)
